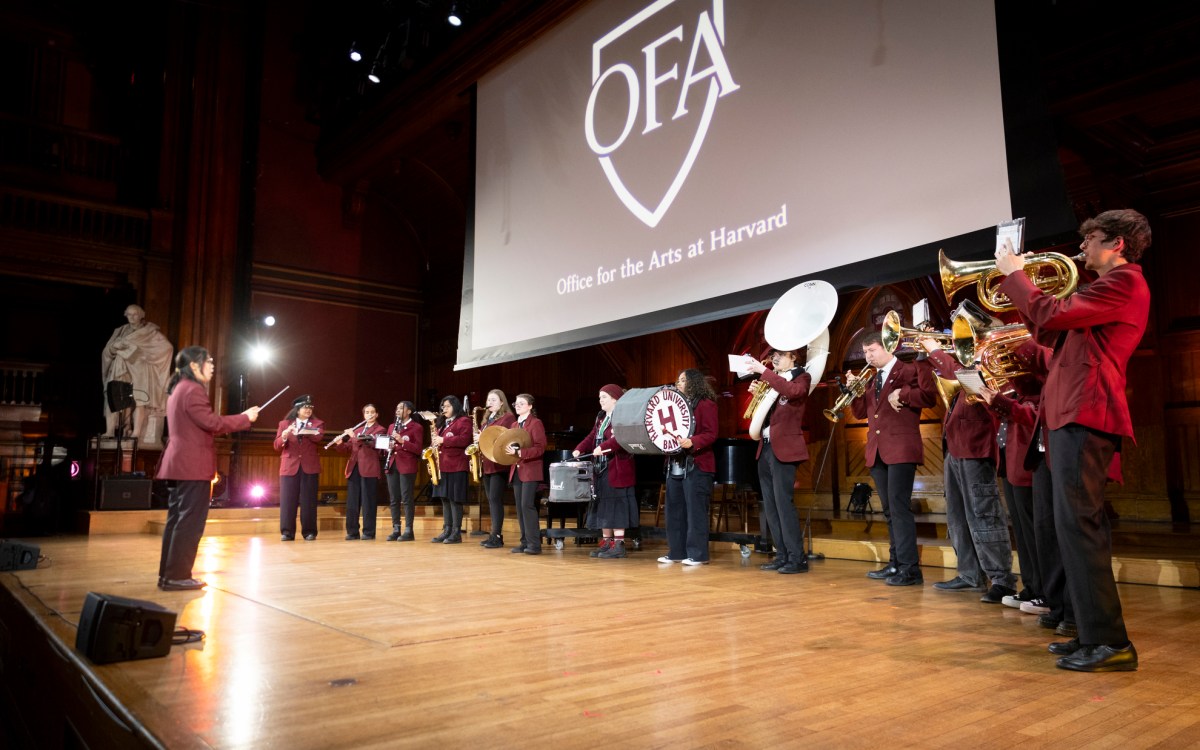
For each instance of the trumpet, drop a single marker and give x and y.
(853, 390)
(472, 451)
(1053, 273)
(896, 336)
(431, 456)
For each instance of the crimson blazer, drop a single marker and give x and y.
(704, 435)
(894, 437)
(406, 452)
(299, 452)
(969, 429)
(190, 455)
(529, 468)
(787, 431)
(505, 421)
(363, 453)
(1104, 322)
(456, 436)
(1021, 413)
(620, 464)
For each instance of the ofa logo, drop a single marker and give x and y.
(656, 80)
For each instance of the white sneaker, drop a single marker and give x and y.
(690, 561)
(1035, 607)
(1012, 601)
(666, 560)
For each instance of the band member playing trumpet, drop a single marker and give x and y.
(690, 475)
(526, 473)
(451, 441)
(616, 508)
(495, 476)
(362, 473)
(296, 439)
(975, 521)
(780, 452)
(892, 405)
(406, 440)
(1083, 405)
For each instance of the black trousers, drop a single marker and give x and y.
(360, 496)
(493, 487)
(1020, 512)
(688, 499)
(298, 489)
(400, 494)
(894, 483)
(187, 512)
(777, 480)
(1050, 568)
(1079, 458)
(527, 513)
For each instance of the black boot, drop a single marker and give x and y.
(442, 536)
(495, 541)
(407, 536)
(395, 535)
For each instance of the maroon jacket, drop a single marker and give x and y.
(969, 429)
(1021, 413)
(363, 453)
(299, 452)
(405, 453)
(505, 421)
(894, 437)
(705, 434)
(456, 436)
(529, 468)
(620, 464)
(1104, 322)
(190, 455)
(787, 431)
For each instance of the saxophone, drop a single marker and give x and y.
(432, 457)
(473, 449)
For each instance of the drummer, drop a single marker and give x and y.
(616, 508)
(690, 475)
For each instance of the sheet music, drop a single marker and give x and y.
(1012, 230)
(739, 365)
(970, 380)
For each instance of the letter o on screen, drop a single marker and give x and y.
(589, 122)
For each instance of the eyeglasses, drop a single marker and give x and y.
(1093, 237)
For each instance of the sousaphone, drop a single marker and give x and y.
(799, 318)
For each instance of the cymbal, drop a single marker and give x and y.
(487, 441)
(512, 436)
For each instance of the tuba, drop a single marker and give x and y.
(850, 392)
(799, 318)
(1053, 273)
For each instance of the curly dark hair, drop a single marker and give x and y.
(696, 385)
(1124, 223)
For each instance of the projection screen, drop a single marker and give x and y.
(645, 165)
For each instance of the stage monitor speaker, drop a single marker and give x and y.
(113, 628)
(118, 493)
(18, 555)
(120, 395)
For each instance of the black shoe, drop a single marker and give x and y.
(495, 541)
(453, 539)
(310, 537)
(794, 567)
(957, 583)
(441, 537)
(368, 537)
(1101, 659)
(186, 584)
(533, 550)
(161, 581)
(1048, 622)
(287, 537)
(883, 573)
(518, 549)
(407, 536)
(996, 594)
(1066, 629)
(393, 536)
(613, 551)
(351, 537)
(1064, 648)
(775, 564)
(906, 579)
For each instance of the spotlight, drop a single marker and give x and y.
(454, 19)
(260, 354)
(355, 54)
(269, 321)
(258, 492)
(373, 77)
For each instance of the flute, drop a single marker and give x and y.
(339, 437)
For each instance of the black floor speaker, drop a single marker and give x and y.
(113, 628)
(117, 493)
(18, 555)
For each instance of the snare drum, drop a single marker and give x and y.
(570, 481)
(652, 421)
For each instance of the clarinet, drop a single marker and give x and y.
(387, 460)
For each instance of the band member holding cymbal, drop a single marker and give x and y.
(526, 473)
(616, 508)
(495, 476)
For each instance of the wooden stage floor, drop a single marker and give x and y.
(331, 644)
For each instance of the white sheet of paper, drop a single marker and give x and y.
(970, 380)
(1013, 230)
(740, 364)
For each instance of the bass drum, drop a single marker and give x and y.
(652, 421)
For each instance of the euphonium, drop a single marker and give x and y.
(758, 389)
(993, 350)
(432, 456)
(473, 449)
(850, 392)
(1053, 273)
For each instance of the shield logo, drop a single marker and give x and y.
(656, 81)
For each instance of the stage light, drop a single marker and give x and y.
(74, 469)
(355, 54)
(260, 354)
(269, 320)
(454, 19)
(258, 492)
